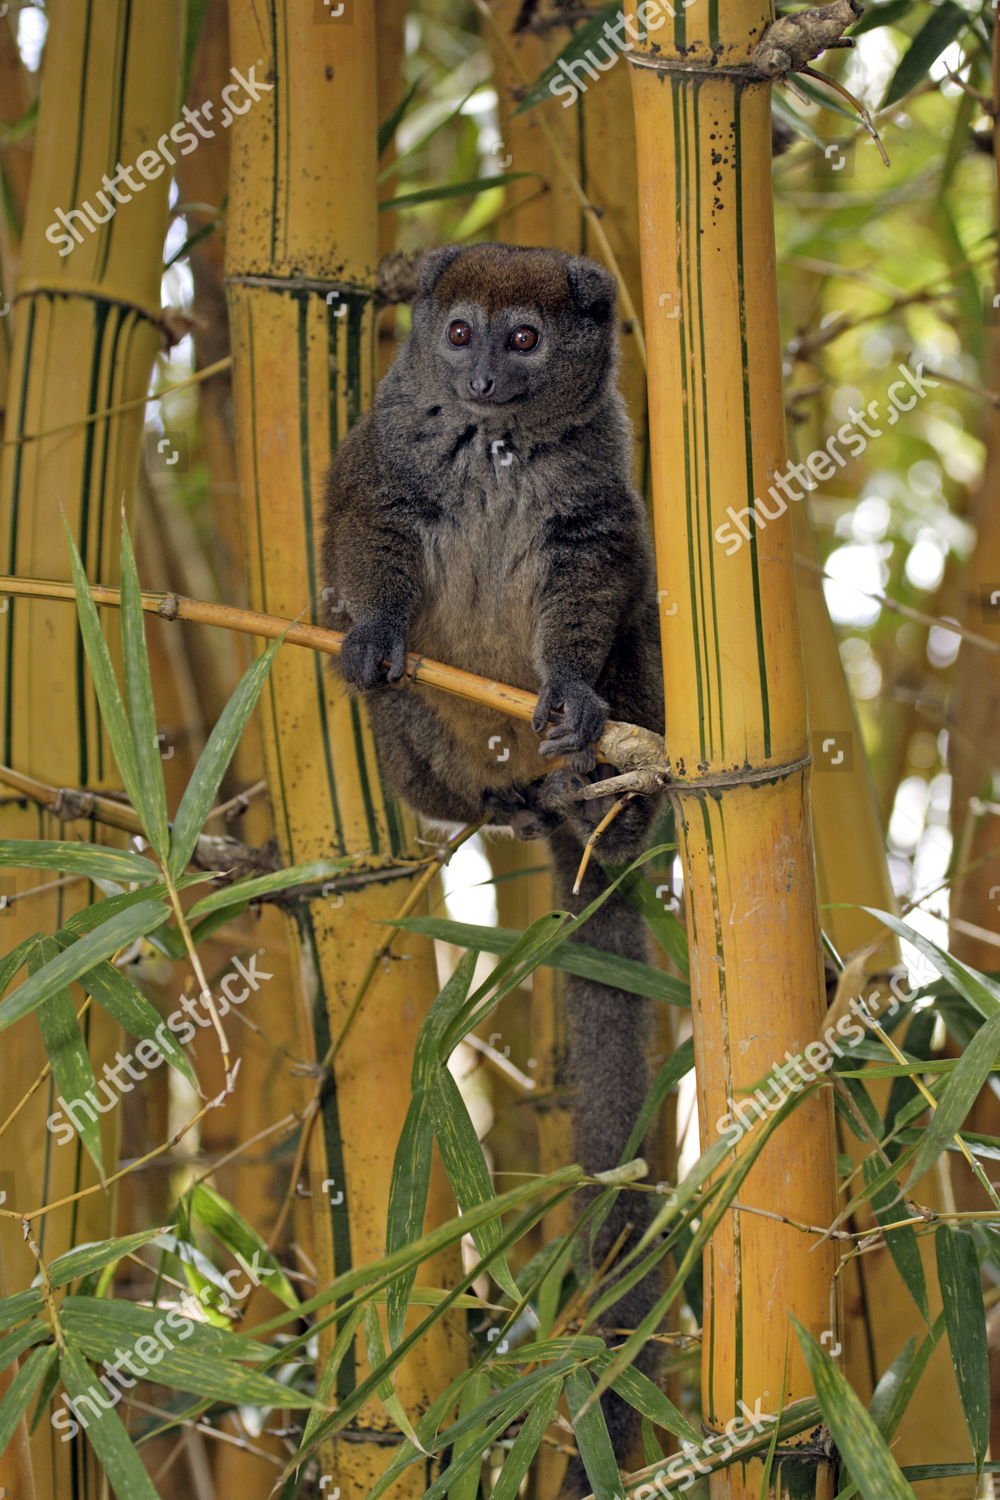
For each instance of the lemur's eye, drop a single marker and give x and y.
(524, 338)
(459, 333)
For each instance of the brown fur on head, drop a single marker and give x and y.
(499, 276)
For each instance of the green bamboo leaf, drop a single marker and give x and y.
(10, 964)
(85, 1259)
(73, 962)
(958, 1095)
(390, 125)
(902, 1242)
(93, 860)
(178, 1351)
(861, 1445)
(13, 1345)
(965, 1319)
(982, 993)
(243, 891)
(412, 1162)
(885, 1394)
(571, 958)
(67, 1053)
(584, 38)
(527, 1443)
(648, 1399)
(664, 926)
(408, 1188)
(103, 674)
(946, 21)
(200, 792)
(375, 1350)
(242, 1241)
(591, 1432)
(115, 993)
(887, 13)
(453, 190)
(466, 1486)
(22, 1388)
(463, 1161)
(152, 806)
(21, 1305)
(122, 1466)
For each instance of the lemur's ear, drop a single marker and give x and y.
(434, 263)
(594, 289)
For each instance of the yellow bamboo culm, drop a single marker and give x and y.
(301, 256)
(86, 326)
(735, 695)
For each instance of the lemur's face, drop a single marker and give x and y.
(518, 329)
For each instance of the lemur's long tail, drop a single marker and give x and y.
(609, 1045)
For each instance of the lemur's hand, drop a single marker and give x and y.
(575, 734)
(373, 639)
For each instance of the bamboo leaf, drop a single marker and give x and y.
(123, 1468)
(391, 124)
(21, 1305)
(982, 993)
(149, 788)
(861, 1445)
(243, 891)
(10, 964)
(73, 962)
(375, 1350)
(885, 1394)
(965, 1319)
(958, 1095)
(466, 1486)
(192, 1356)
(115, 993)
(453, 190)
(585, 37)
(411, 1175)
(640, 1392)
(591, 1432)
(96, 861)
(463, 1161)
(200, 792)
(571, 958)
(67, 1053)
(105, 683)
(84, 1259)
(887, 13)
(902, 1242)
(945, 22)
(21, 1390)
(527, 1443)
(242, 1241)
(13, 1345)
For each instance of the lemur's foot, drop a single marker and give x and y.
(519, 808)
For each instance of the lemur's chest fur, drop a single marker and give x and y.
(483, 577)
(483, 563)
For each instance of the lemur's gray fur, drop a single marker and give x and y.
(482, 514)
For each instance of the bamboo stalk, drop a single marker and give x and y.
(86, 329)
(735, 694)
(301, 258)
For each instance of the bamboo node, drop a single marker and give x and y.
(169, 607)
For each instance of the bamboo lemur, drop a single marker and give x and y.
(482, 514)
